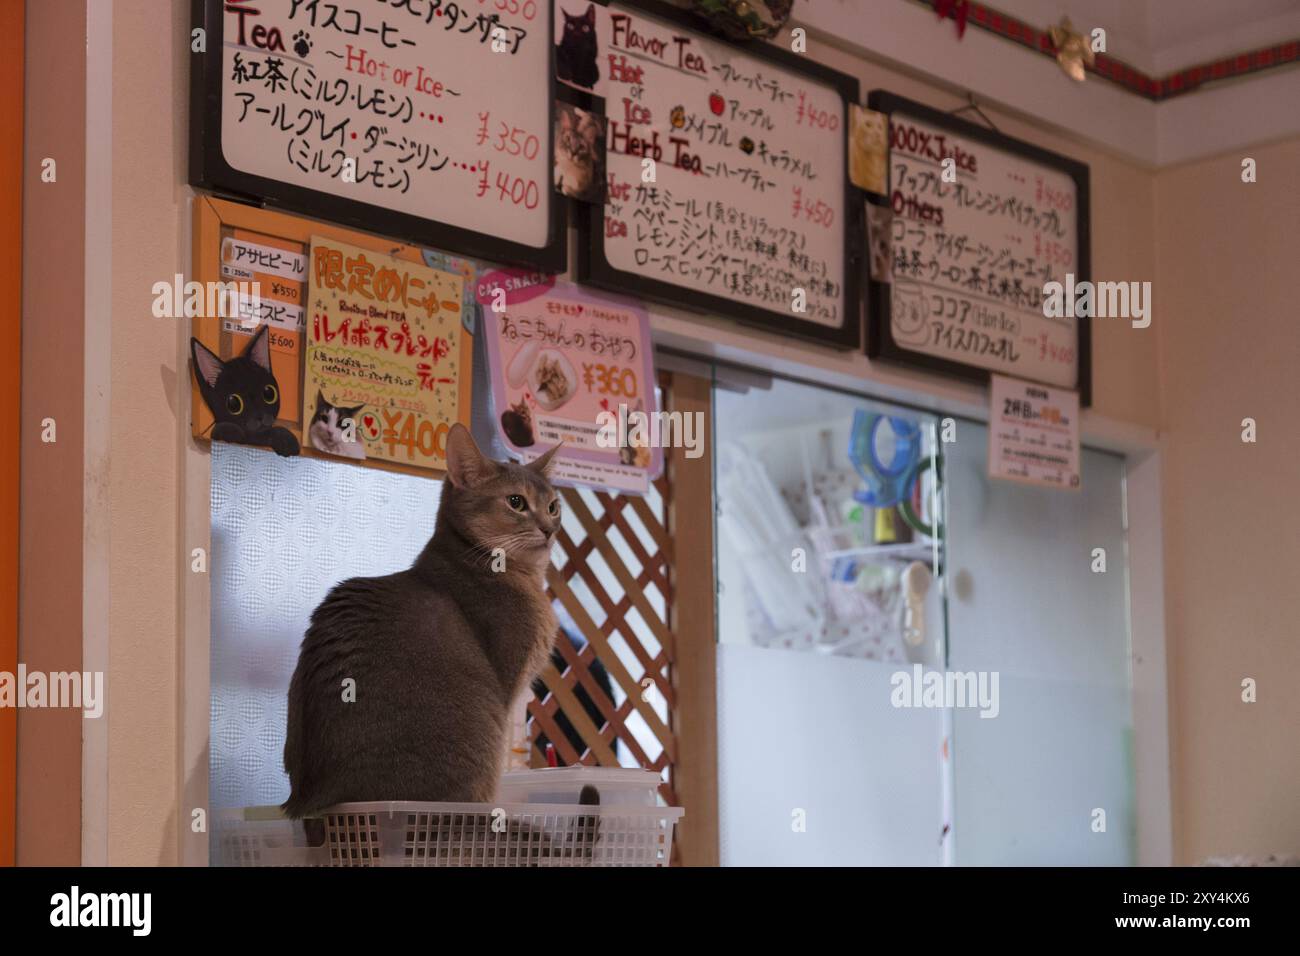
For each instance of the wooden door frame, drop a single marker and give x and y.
(11, 311)
(695, 719)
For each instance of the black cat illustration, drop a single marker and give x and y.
(243, 395)
(575, 54)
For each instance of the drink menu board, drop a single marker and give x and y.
(980, 223)
(727, 180)
(428, 120)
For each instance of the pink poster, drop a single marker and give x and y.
(570, 366)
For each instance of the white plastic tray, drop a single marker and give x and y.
(451, 834)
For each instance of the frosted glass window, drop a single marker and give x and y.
(807, 723)
(285, 531)
(1024, 600)
(816, 767)
(811, 741)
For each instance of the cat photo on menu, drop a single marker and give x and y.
(577, 60)
(579, 154)
(333, 429)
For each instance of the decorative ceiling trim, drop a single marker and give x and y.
(1127, 77)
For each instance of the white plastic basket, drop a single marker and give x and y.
(452, 834)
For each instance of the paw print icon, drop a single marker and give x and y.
(301, 43)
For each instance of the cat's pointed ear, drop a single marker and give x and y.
(466, 465)
(259, 350)
(543, 465)
(320, 400)
(207, 366)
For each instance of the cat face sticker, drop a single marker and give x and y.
(577, 54)
(338, 429)
(579, 153)
(242, 395)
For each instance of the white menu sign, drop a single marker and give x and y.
(434, 109)
(748, 198)
(977, 232)
(1033, 433)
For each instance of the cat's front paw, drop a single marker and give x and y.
(283, 442)
(227, 432)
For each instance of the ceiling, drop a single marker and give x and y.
(1157, 37)
(1161, 36)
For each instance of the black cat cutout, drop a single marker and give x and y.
(575, 54)
(243, 395)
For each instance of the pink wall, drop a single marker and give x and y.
(1226, 310)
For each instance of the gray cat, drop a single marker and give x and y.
(438, 652)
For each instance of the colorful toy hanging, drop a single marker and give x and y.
(745, 19)
(887, 475)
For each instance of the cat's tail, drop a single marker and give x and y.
(590, 797)
(578, 838)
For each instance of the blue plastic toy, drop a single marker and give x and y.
(887, 479)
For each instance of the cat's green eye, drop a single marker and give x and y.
(235, 405)
(517, 503)
(554, 509)
(270, 394)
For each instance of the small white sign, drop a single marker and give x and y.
(1033, 433)
(241, 259)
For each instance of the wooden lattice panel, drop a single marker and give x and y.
(615, 585)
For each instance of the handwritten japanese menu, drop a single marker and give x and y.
(573, 367)
(971, 256)
(432, 108)
(383, 361)
(747, 201)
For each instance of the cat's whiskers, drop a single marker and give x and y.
(509, 544)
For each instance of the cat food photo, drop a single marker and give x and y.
(522, 364)
(517, 423)
(552, 380)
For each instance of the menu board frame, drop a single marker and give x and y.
(880, 341)
(593, 267)
(208, 169)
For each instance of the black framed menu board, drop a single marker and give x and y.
(981, 223)
(750, 213)
(429, 120)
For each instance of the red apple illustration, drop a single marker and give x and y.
(717, 103)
